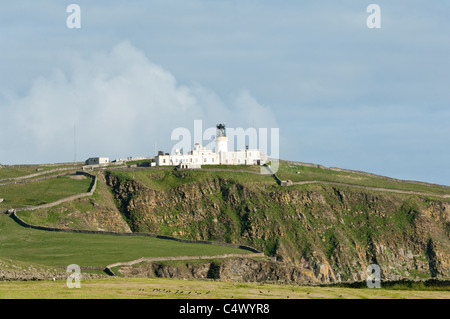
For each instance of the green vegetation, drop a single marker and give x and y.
(168, 178)
(420, 285)
(14, 171)
(61, 215)
(248, 168)
(144, 162)
(74, 214)
(62, 249)
(41, 192)
(305, 173)
(20, 266)
(157, 288)
(165, 178)
(344, 225)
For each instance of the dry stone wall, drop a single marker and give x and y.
(91, 191)
(23, 223)
(21, 178)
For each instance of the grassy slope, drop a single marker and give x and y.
(164, 179)
(288, 171)
(59, 215)
(41, 192)
(24, 170)
(69, 213)
(62, 249)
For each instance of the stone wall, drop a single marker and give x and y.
(28, 180)
(278, 180)
(90, 192)
(23, 223)
(20, 178)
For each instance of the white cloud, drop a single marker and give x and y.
(121, 103)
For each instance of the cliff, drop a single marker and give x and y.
(230, 269)
(327, 233)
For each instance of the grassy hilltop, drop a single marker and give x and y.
(329, 225)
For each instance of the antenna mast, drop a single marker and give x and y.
(74, 144)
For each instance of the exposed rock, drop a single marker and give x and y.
(232, 269)
(33, 274)
(336, 231)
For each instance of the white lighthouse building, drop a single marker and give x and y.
(221, 139)
(201, 156)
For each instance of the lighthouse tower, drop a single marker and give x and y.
(221, 139)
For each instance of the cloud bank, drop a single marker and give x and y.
(114, 104)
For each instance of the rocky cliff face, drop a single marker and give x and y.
(330, 233)
(231, 269)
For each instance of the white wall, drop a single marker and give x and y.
(200, 155)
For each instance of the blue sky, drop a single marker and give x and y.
(342, 94)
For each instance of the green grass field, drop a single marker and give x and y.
(157, 288)
(163, 179)
(62, 249)
(24, 170)
(305, 173)
(63, 214)
(41, 192)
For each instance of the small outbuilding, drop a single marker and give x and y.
(97, 161)
(189, 166)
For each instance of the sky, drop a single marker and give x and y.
(341, 94)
